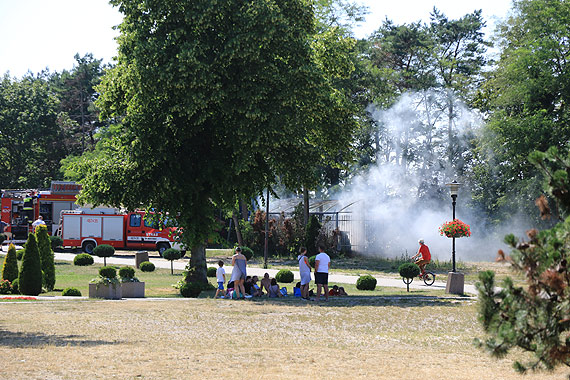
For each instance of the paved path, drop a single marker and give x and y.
(253, 271)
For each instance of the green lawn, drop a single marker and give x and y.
(159, 283)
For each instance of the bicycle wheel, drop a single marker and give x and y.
(429, 278)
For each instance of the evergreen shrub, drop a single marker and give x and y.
(104, 251)
(20, 254)
(16, 286)
(56, 242)
(284, 275)
(409, 270)
(312, 234)
(191, 289)
(83, 259)
(31, 277)
(46, 256)
(71, 292)
(146, 266)
(211, 271)
(312, 260)
(247, 252)
(10, 268)
(366, 282)
(107, 272)
(127, 273)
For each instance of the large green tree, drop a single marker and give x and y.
(217, 99)
(526, 99)
(30, 132)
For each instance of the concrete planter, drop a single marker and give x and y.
(109, 292)
(133, 289)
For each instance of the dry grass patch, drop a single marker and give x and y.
(372, 337)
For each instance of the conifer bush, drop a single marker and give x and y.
(30, 277)
(366, 282)
(56, 242)
(284, 275)
(20, 254)
(71, 292)
(171, 254)
(46, 257)
(15, 286)
(107, 272)
(312, 260)
(211, 271)
(104, 251)
(10, 268)
(312, 234)
(247, 252)
(83, 259)
(146, 266)
(127, 273)
(408, 271)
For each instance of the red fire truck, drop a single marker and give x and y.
(21, 207)
(89, 228)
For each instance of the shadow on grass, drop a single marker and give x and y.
(351, 301)
(25, 339)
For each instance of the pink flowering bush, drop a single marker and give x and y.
(455, 228)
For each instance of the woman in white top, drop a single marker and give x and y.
(305, 272)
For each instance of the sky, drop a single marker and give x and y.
(40, 34)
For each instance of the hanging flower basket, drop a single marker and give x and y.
(455, 229)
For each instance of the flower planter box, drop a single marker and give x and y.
(109, 292)
(133, 289)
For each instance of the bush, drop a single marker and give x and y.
(104, 251)
(46, 256)
(409, 270)
(127, 272)
(211, 271)
(366, 282)
(312, 260)
(191, 289)
(146, 266)
(284, 275)
(55, 242)
(312, 234)
(71, 292)
(171, 254)
(10, 268)
(247, 252)
(107, 272)
(5, 287)
(20, 254)
(16, 286)
(31, 277)
(83, 259)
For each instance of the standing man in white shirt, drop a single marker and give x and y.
(38, 222)
(322, 266)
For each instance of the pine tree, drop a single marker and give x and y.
(46, 257)
(30, 279)
(10, 268)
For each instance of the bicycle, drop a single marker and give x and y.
(428, 277)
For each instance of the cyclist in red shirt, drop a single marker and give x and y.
(425, 256)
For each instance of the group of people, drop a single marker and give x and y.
(242, 286)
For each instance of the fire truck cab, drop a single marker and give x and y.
(21, 207)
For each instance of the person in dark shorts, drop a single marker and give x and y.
(322, 266)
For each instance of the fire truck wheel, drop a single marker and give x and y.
(88, 247)
(161, 247)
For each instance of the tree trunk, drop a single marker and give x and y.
(236, 224)
(305, 206)
(243, 207)
(198, 269)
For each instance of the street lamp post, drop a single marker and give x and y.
(455, 280)
(266, 248)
